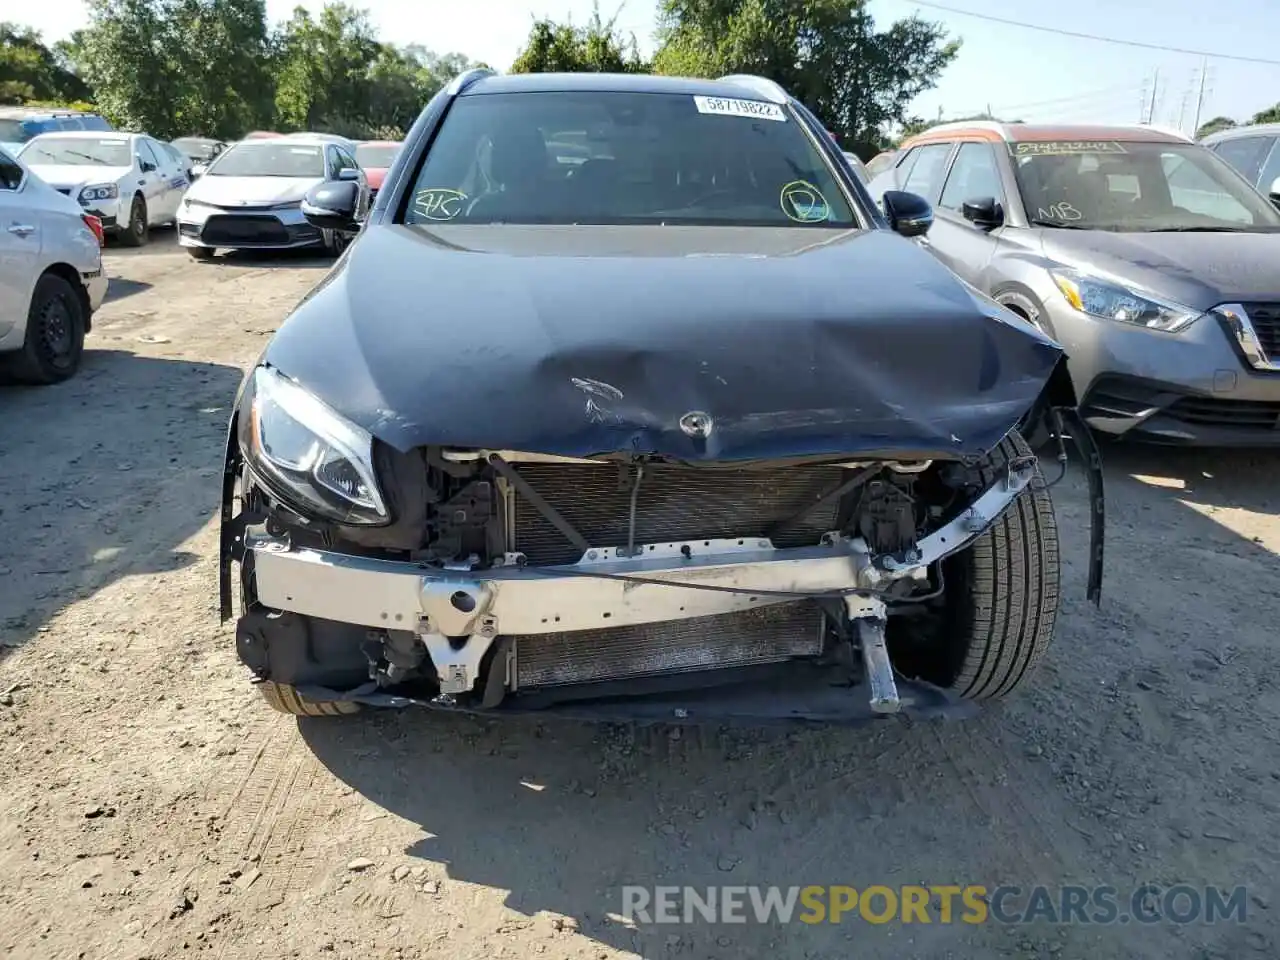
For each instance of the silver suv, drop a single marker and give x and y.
(1254, 151)
(1151, 260)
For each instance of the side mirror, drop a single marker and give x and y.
(348, 175)
(146, 166)
(909, 213)
(332, 205)
(983, 212)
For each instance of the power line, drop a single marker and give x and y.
(1108, 94)
(1093, 36)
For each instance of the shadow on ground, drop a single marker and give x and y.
(304, 259)
(106, 476)
(1130, 756)
(118, 288)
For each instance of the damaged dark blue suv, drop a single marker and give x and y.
(628, 402)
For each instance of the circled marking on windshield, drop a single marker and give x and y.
(802, 202)
(438, 203)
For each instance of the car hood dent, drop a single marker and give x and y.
(231, 191)
(580, 341)
(1200, 270)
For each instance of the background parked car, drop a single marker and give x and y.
(880, 163)
(251, 196)
(51, 278)
(1254, 152)
(199, 151)
(20, 124)
(1149, 258)
(130, 181)
(858, 166)
(375, 158)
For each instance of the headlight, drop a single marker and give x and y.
(101, 191)
(319, 462)
(1111, 302)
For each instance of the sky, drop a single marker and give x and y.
(1016, 73)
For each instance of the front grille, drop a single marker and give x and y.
(676, 503)
(1237, 414)
(1266, 324)
(764, 635)
(230, 230)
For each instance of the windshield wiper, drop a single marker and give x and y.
(1060, 225)
(1201, 230)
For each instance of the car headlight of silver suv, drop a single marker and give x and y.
(320, 463)
(1109, 301)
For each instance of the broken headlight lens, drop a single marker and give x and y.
(318, 461)
(1112, 302)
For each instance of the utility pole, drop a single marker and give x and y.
(1204, 70)
(1155, 88)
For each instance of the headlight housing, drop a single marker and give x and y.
(1109, 301)
(99, 191)
(317, 461)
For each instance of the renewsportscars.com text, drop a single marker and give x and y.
(971, 904)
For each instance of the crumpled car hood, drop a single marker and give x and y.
(230, 191)
(581, 341)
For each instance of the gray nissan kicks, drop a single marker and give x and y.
(1150, 259)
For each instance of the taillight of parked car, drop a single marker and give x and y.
(94, 224)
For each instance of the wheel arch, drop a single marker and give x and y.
(70, 274)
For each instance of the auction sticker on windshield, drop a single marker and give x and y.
(729, 107)
(1067, 147)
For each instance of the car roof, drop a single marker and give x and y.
(749, 88)
(379, 143)
(291, 140)
(996, 132)
(91, 134)
(25, 113)
(1253, 130)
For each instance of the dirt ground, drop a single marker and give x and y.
(153, 807)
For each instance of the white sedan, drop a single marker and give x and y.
(51, 278)
(130, 181)
(250, 197)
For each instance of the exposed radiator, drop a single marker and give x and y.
(764, 635)
(675, 503)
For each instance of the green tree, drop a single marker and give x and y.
(325, 65)
(1269, 115)
(334, 75)
(30, 71)
(563, 48)
(1214, 125)
(828, 53)
(127, 56)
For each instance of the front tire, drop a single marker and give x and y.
(54, 343)
(286, 699)
(335, 241)
(136, 231)
(1002, 593)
